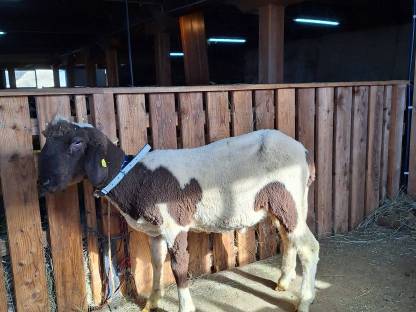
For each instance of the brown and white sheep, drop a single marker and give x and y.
(230, 184)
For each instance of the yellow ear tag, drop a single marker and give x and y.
(103, 163)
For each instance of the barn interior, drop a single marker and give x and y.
(140, 43)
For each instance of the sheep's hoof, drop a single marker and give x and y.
(283, 285)
(146, 309)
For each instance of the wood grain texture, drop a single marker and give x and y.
(398, 105)
(305, 133)
(21, 206)
(163, 120)
(64, 223)
(323, 163)
(163, 124)
(218, 125)
(192, 122)
(192, 27)
(131, 114)
(162, 59)
(264, 119)
(411, 188)
(342, 140)
(375, 128)
(271, 43)
(94, 255)
(242, 122)
(103, 118)
(286, 111)
(385, 137)
(3, 294)
(359, 122)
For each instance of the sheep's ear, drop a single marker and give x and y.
(95, 165)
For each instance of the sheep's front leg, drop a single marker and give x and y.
(158, 249)
(179, 263)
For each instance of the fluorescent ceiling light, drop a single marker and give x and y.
(176, 54)
(2, 32)
(226, 40)
(316, 21)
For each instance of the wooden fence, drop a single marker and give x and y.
(354, 131)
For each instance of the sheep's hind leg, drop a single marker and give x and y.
(159, 251)
(288, 261)
(308, 250)
(180, 262)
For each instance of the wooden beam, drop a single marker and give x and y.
(56, 81)
(91, 69)
(195, 48)
(12, 77)
(162, 60)
(271, 43)
(111, 59)
(70, 78)
(2, 79)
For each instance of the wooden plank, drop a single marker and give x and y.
(375, 127)
(133, 136)
(323, 163)
(342, 139)
(264, 119)
(163, 123)
(111, 59)
(411, 188)
(18, 177)
(91, 217)
(103, 118)
(3, 293)
(395, 142)
(271, 43)
(242, 122)
(359, 122)
(385, 141)
(305, 133)
(183, 89)
(162, 59)
(64, 223)
(192, 121)
(285, 111)
(163, 120)
(218, 126)
(192, 27)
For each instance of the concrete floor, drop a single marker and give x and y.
(358, 272)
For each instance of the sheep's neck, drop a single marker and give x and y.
(114, 158)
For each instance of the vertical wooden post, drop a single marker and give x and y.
(359, 121)
(56, 81)
(323, 161)
(2, 79)
(18, 178)
(271, 43)
(398, 105)
(195, 48)
(12, 77)
(70, 78)
(111, 59)
(90, 69)
(162, 60)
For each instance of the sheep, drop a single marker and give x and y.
(230, 184)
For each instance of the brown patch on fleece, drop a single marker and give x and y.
(142, 189)
(277, 199)
(180, 259)
(311, 166)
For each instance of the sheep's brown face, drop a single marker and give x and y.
(70, 154)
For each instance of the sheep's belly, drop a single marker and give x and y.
(225, 213)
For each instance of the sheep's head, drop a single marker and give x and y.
(71, 152)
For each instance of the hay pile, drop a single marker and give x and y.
(398, 214)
